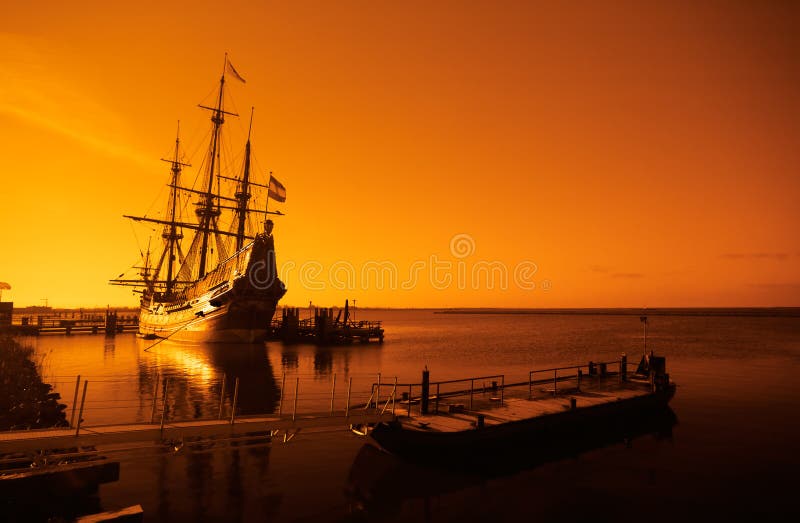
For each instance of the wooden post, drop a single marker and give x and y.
(333, 392)
(164, 403)
(502, 389)
(580, 375)
(221, 397)
(555, 382)
(378, 392)
(437, 399)
(347, 406)
(423, 402)
(530, 384)
(80, 413)
(623, 367)
(409, 401)
(74, 401)
(235, 399)
(471, 391)
(394, 395)
(155, 399)
(280, 400)
(296, 388)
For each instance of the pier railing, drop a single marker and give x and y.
(488, 390)
(163, 399)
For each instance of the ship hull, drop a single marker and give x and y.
(234, 303)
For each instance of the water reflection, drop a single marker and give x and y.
(198, 379)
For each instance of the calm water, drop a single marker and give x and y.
(731, 455)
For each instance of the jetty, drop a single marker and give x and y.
(68, 322)
(323, 328)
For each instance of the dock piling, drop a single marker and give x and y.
(378, 391)
(221, 396)
(409, 401)
(436, 405)
(555, 382)
(394, 395)
(155, 398)
(164, 403)
(296, 389)
(333, 391)
(425, 391)
(502, 389)
(347, 405)
(235, 400)
(74, 400)
(471, 392)
(530, 385)
(80, 413)
(623, 367)
(280, 400)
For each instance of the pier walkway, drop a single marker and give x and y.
(66, 438)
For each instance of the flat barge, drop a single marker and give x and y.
(451, 424)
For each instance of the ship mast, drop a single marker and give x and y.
(209, 210)
(243, 194)
(171, 233)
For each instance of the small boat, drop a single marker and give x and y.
(602, 402)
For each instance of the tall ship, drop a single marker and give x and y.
(215, 277)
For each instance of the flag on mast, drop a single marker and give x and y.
(234, 72)
(276, 190)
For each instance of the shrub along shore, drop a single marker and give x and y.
(26, 402)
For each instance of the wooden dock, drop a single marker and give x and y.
(90, 436)
(324, 329)
(68, 323)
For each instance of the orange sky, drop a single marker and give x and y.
(638, 155)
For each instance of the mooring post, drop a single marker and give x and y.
(425, 392)
(378, 392)
(471, 391)
(296, 388)
(623, 367)
(502, 389)
(437, 398)
(221, 396)
(164, 404)
(235, 399)
(333, 391)
(80, 413)
(347, 406)
(555, 382)
(394, 395)
(409, 401)
(530, 384)
(155, 398)
(280, 400)
(74, 401)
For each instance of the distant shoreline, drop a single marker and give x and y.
(763, 312)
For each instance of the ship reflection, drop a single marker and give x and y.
(325, 360)
(199, 379)
(379, 483)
